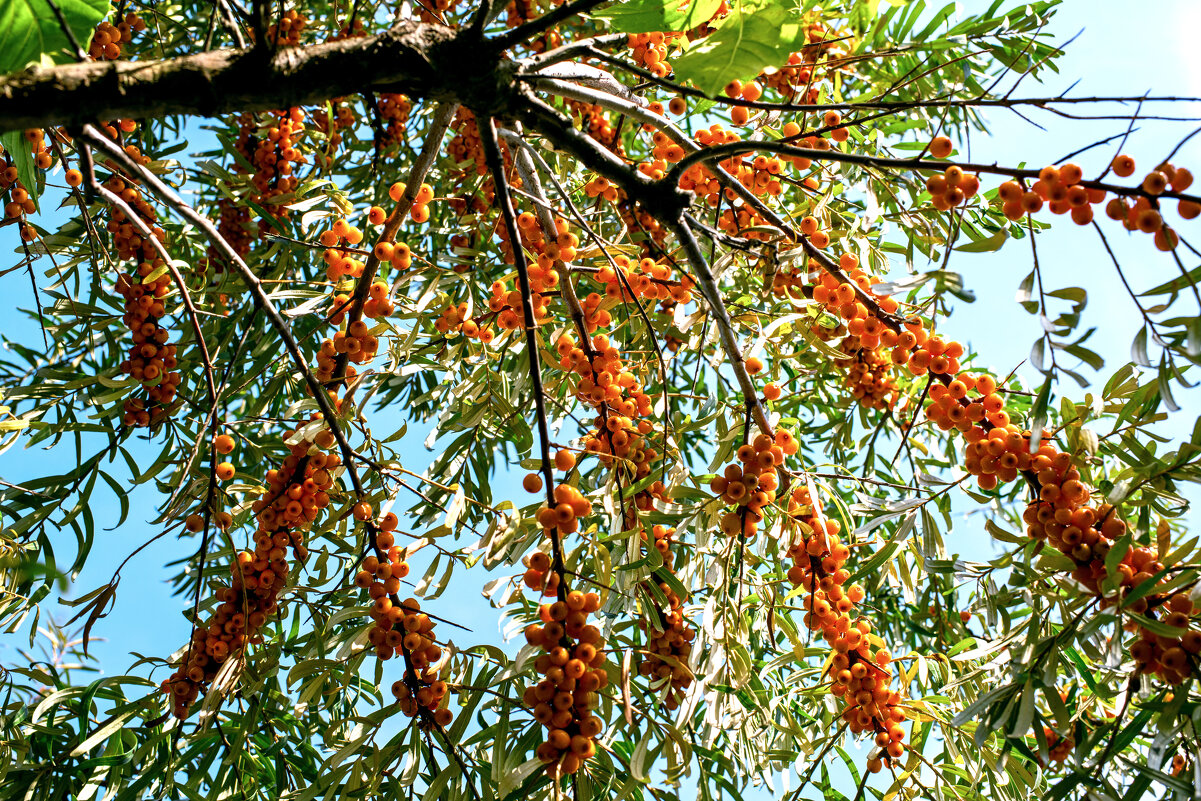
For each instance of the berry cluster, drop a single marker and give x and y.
(669, 636)
(287, 29)
(572, 667)
(454, 319)
(750, 485)
(644, 278)
(858, 669)
(151, 359)
(998, 451)
(108, 39)
(650, 51)
(420, 691)
(296, 492)
(273, 151)
(953, 188)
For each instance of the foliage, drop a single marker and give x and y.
(746, 445)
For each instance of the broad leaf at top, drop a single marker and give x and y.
(29, 29)
(648, 16)
(16, 149)
(753, 36)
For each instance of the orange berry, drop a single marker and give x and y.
(940, 147)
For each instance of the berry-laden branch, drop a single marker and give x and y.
(421, 167)
(724, 151)
(573, 660)
(708, 285)
(115, 200)
(168, 196)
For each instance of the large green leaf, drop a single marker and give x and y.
(17, 149)
(30, 29)
(753, 36)
(648, 16)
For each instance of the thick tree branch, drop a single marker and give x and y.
(413, 58)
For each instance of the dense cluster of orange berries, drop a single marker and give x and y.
(572, 660)
(998, 451)
(1144, 214)
(622, 444)
(234, 225)
(519, 12)
(750, 485)
(644, 278)
(953, 188)
(356, 343)
(287, 29)
(394, 111)
(465, 147)
(273, 151)
(650, 50)
(797, 80)
(420, 691)
(604, 383)
(858, 669)
(454, 319)
(1060, 189)
(872, 348)
(595, 122)
(669, 636)
(151, 360)
(108, 39)
(296, 493)
(400, 628)
(572, 667)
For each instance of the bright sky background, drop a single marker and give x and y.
(1122, 50)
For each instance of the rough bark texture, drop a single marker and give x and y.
(417, 59)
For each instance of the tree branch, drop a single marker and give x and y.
(414, 58)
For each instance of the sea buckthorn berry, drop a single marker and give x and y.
(564, 460)
(225, 471)
(223, 443)
(1123, 166)
(940, 147)
(1155, 182)
(532, 482)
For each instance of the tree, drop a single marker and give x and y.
(658, 257)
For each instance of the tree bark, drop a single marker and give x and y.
(417, 59)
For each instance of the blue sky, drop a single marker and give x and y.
(1119, 51)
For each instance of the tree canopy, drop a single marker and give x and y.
(664, 288)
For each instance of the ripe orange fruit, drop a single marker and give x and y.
(1123, 166)
(940, 147)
